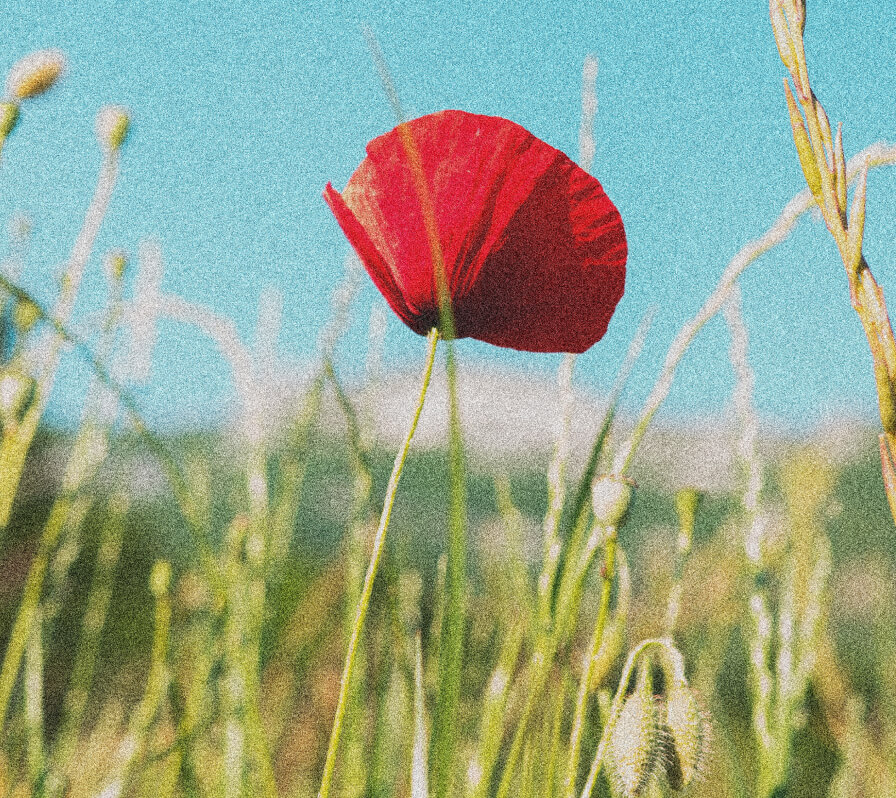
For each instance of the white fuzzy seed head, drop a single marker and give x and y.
(611, 495)
(34, 74)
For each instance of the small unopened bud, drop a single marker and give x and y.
(34, 74)
(112, 124)
(636, 740)
(25, 315)
(687, 732)
(9, 115)
(611, 496)
(160, 578)
(115, 264)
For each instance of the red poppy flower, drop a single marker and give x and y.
(534, 251)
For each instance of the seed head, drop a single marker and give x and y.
(34, 74)
(112, 125)
(611, 495)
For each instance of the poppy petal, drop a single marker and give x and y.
(373, 261)
(555, 279)
(534, 250)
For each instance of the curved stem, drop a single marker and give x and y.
(665, 644)
(364, 602)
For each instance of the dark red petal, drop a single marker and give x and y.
(376, 266)
(555, 279)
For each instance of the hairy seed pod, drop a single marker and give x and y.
(635, 747)
(687, 734)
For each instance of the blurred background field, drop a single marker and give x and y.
(303, 647)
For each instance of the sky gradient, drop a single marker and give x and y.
(242, 113)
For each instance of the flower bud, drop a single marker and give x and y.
(9, 115)
(611, 495)
(34, 74)
(25, 315)
(687, 732)
(112, 124)
(635, 746)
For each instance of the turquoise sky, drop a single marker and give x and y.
(243, 112)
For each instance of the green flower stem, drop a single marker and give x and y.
(542, 660)
(34, 700)
(378, 543)
(578, 724)
(444, 736)
(555, 739)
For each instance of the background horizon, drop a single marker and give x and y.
(241, 116)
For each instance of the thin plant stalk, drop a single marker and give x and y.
(34, 700)
(14, 445)
(378, 543)
(444, 737)
(878, 154)
(419, 788)
(98, 598)
(578, 724)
